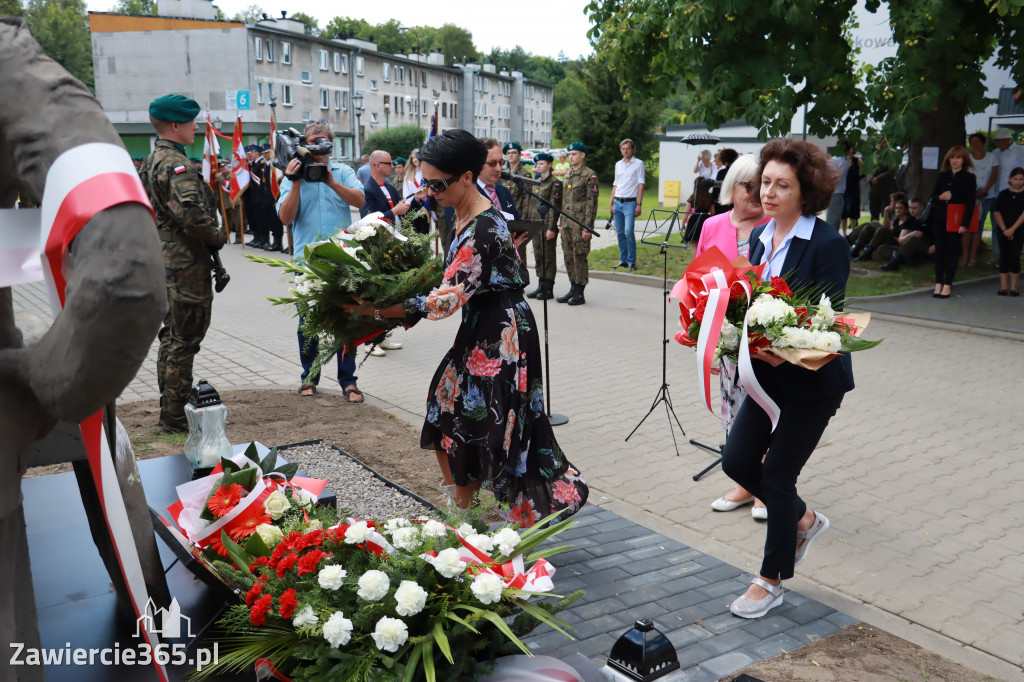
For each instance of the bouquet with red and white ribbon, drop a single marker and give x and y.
(727, 310)
(400, 599)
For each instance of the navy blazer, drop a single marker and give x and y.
(821, 261)
(376, 201)
(508, 205)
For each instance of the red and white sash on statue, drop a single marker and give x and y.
(82, 182)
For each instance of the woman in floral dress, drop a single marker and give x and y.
(485, 407)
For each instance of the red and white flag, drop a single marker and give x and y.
(274, 188)
(239, 164)
(211, 150)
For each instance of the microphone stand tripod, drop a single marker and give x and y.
(662, 396)
(543, 208)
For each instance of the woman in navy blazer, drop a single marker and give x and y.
(796, 183)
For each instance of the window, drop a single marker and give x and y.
(286, 53)
(337, 100)
(360, 65)
(270, 91)
(325, 102)
(387, 102)
(401, 74)
(286, 95)
(270, 50)
(258, 48)
(337, 62)
(424, 107)
(423, 78)
(373, 117)
(306, 114)
(373, 85)
(487, 85)
(344, 63)
(307, 77)
(344, 100)
(387, 72)
(444, 109)
(259, 93)
(455, 84)
(399, 105)
(324, 65)
(444, 82)
(452, 110)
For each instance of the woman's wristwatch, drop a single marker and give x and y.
(376, 315)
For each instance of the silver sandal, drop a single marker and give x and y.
(819, 527)
(745, 607)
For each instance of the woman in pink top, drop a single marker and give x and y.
(730, 232)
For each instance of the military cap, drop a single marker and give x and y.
(544, 156)
(511, 145)
(174, 109)
(400, 159)
(252, 147)
(577, 147)
(265, 147)
(195, 159)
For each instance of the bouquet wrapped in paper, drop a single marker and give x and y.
(371, 260)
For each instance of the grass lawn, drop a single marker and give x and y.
(865, 278)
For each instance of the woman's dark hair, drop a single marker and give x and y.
(955, 151)
(455, 151)
(817, 177)
(729, 156)
(980, 136)
(702, 200)
(1016, 171)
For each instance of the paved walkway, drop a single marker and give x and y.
(918, 471)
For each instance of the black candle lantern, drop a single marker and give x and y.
(642, 654)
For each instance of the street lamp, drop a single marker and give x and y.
(387, 112)
(358, 100)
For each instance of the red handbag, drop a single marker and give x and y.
(955, 216)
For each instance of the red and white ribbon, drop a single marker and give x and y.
(81, 183)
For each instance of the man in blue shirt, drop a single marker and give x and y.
(316, 211)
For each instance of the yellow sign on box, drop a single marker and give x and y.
(671, 191)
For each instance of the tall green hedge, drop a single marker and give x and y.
(397, 141)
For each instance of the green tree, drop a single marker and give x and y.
(346, 28)
(61, 27)
(596, 113)
(137, 7)
(250, 14)
(764, 61)
(456, 43)
(11, 8)
(312, 25)
(397, 141)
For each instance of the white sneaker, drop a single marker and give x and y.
(388, 344)
(377, 352)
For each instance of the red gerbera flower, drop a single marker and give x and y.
(246, 523)
(288, 603)
(217, 546)
(258, 613)
(224, 499)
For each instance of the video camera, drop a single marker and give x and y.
(291, 144)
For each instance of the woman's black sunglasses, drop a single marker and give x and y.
(438, 186)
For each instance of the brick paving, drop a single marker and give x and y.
(918, 471)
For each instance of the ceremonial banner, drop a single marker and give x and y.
(239, 164)
(274, 188)
(211, 150)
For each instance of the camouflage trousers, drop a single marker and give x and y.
(575, 252)
(546, 261)
(182, 332)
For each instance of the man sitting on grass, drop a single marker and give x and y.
(867, 237)
(914, 243)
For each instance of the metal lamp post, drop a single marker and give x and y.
(387, 115)
(358, 100)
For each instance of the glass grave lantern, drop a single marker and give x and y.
(207, 441)
(641, 655)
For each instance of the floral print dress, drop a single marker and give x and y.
(485, 406)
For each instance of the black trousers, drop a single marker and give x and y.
(801, 424)
(947, 251)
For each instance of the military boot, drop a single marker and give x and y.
(538, 291)
(569, 294)
(549, 286)
(173, 423)
(578, 298)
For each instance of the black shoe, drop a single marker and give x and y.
(173, 423)
(622, 264)
(893, 265)
(569, 294)
(864, 256)
(538, 291)
(578, 298)
(548, 292)
(855, 251)
(276, 246)
(632, 267)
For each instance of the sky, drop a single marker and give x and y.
(541, 27)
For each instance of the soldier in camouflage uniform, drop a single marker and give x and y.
(188, 230)
(513, 152)
(544, 251)
(579, 201)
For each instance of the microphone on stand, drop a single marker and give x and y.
(505, 175)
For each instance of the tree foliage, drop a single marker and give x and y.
(250, 14)
(544, 69)
(591, 106)
(764, 61)
(397, 141)
(11, 8)
(136, 7)
(312, 25)
(61, 27)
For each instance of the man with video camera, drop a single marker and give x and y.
(191, 237)
(317, 197)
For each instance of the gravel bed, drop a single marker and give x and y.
(359, 490)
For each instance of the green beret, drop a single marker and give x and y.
(400, 159)
(174, 109)
(511, 145)
(577, 147)
(195, 159)
(544, 156)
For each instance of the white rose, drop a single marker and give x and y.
(481, 542)
(434, 529)
(357, 533)
(331, 576)
(487, 588)
(448, 563)
(465, 529)
(338, 629)
(305, 617)
(390, 634)
(824, 317)
(730, 338)
(394, 524)
(373, 585)
(766, 310)
(410, 598)
(406, 538)
(828, 341)
(506, 540)
(269, 533)
(277, 504)
(796, 337)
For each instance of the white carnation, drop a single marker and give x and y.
(796, 337)
(357, 533)
(410, 598)
(305, 617)
(487, 588)
(434, 529)
(364, 232)
(767, 310)
(465, 529)
(506, 540)
(315, 524)
(481, 542)
(331, 577)
(730, 338)
(338, 629)
(827, 341)
(448, 563)
(390, 634)
(394, 524)
(406, 538)
(373, 585)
